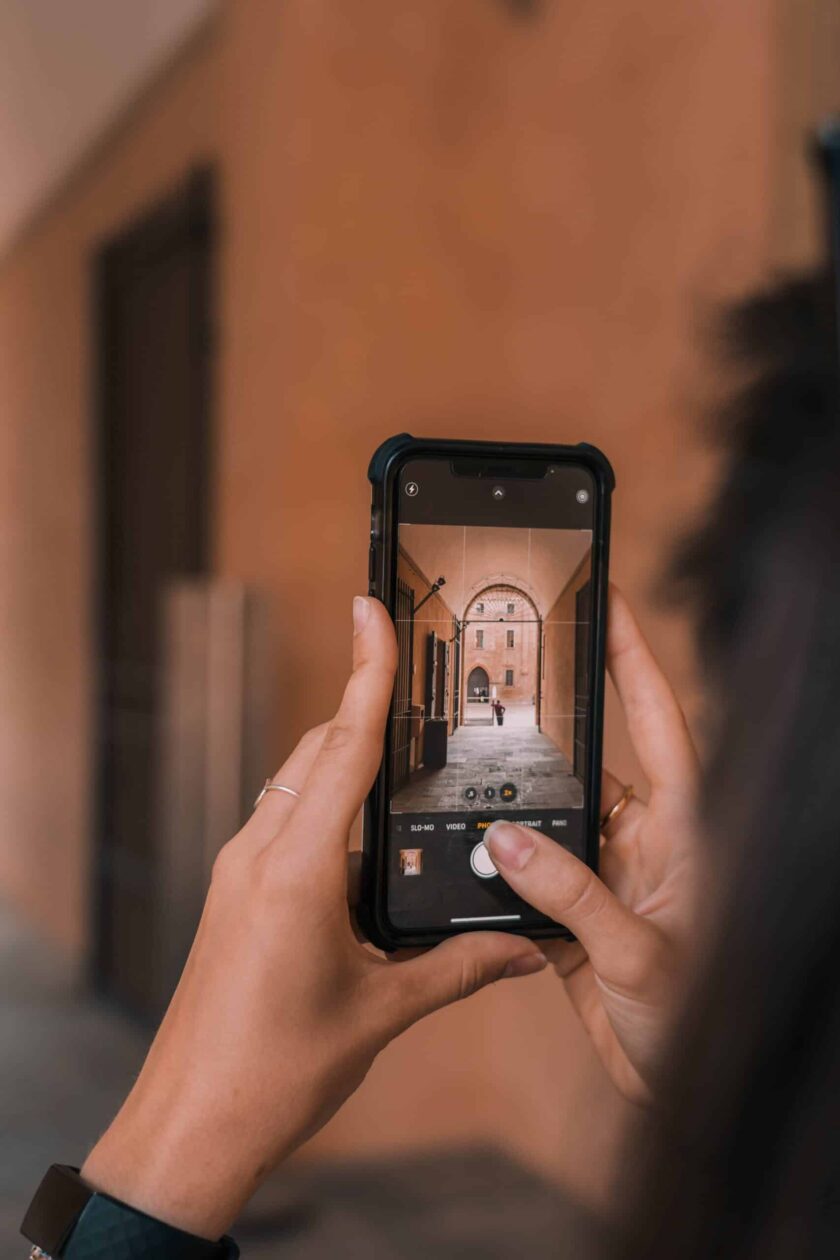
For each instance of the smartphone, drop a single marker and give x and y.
(492, 560)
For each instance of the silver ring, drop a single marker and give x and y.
(268, 786)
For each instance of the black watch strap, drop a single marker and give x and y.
(68, 1220)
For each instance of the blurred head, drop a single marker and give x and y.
(743, 1158)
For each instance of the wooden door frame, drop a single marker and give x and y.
(405, 674)
(186, 216)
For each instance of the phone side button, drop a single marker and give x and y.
(371, 569)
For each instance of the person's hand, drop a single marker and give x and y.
(624, 972)
(280, 1010)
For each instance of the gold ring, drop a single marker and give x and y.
(619, 807)
(268, 786)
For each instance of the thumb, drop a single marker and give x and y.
(621, 945)
(460, 967)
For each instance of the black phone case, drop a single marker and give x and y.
(383, 472)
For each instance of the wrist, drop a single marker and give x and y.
(68, 1218)
(177, 1175)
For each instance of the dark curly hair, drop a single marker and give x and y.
(742, 1159)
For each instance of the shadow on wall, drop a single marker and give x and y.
(566, 666)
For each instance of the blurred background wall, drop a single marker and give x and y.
(495, 219)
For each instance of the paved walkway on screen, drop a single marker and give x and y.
(486, 757)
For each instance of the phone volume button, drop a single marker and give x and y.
(375, 525)
(372, 565)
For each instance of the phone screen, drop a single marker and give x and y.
(491, 710)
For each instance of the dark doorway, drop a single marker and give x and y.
(456, 676)
(583, 601)
(154, 317)
(430, 677)
(436, 699)
(478, 684)
(442, 682)
(402, 719)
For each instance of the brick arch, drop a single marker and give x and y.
(523, 657)
(514, 585)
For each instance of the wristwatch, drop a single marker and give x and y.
(68, 1220)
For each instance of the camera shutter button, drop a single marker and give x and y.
(481, 862)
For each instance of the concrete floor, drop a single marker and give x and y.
(489, 756)
(66, 1062)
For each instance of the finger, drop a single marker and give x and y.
(554, 881)
(654, 718)
(564, 956)
(275, 807)
(456, 969)
(585, 996)
(351, 752)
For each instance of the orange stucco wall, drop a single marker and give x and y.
(559, 663)
(46, 507)
(446, 219)
(437, 217)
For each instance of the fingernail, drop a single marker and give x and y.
(361, 612)
(509, 845)
(525, 965)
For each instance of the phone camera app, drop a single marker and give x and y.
(491, 701)
(491, 695)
